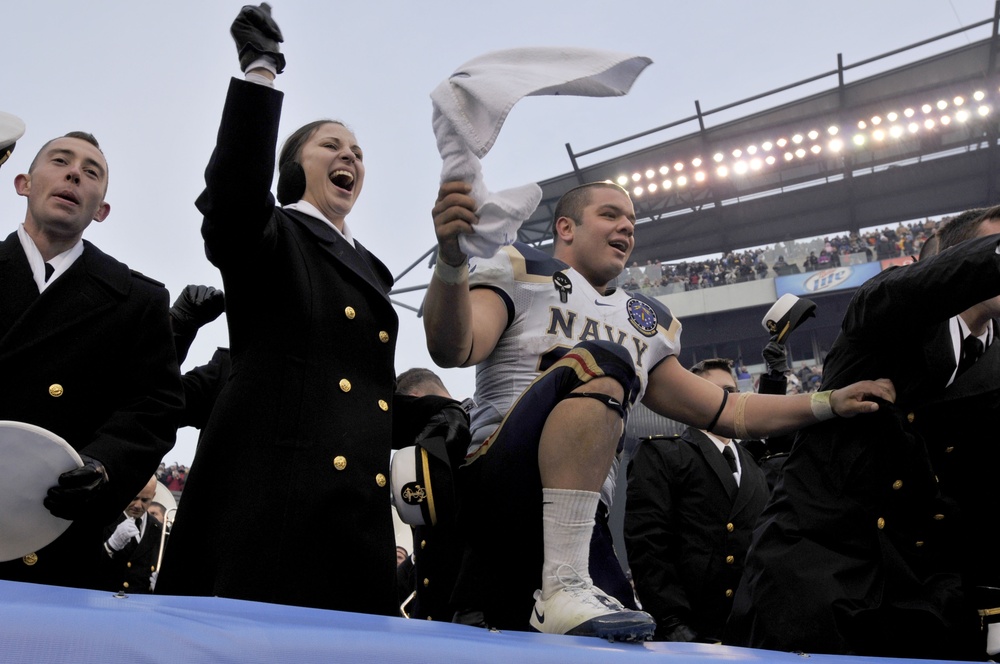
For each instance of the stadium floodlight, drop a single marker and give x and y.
(962, 115)
(800, 153)
(833, 130)
(815, 149)
(813, 135)
(984, 111)
(737, 153)
(862, 124)
(718, 157)
(740, 167)
(770, 160)
(859, 139)
(926, 108)
(679, 166)
(836, 145)
(664, 169)
(946, 120)
(895, 131)
(667, 184)
(722, 171)
(913, 127)
(892, 116)
(699, 176)
(942, 104)
(756, 163)
(637, 192)
(766, 146)
(797, 138)
(979, 95)
(878, 135)
(789, 156)
(651, 187)
(681, 181)
(781, 142)
(876, 120)
(909, 112)
(751, 149)
(650, 173)
(622, 180)
(696, 162)
(958, 101)
(929, 123)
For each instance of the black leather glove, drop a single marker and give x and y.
(197, 306)
(775, 357)
(256, 34)
(675, 630)
(76, 489)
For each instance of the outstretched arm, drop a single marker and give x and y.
(680, 395)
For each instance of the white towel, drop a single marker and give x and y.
(470, 108)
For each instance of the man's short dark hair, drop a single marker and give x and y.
(712, 364)
(965, 226)
(573, 201)
(412, 380)
(81, 135)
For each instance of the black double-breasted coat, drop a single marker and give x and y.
(688, 527)
(92, 360)
(287, 499)
(871, 534)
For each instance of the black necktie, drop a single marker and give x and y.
(972, 348)
(138, 524)
(727, 452)
(48, 271)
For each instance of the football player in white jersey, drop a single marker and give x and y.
(560, 358)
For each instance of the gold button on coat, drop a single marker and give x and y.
(380, 479)
(427, 582)
(729, 592)
(939, 517)
(349, 312)
(423, 544)
(730, 527)
(897, 485)
(55, 390)
(345, 385)
(947, 450)
(128, 564)
(30, 559)
(383, 405)
(339, 462)
(125, 585)
(919, 543)
(730, 560)
(881, 523)
(383, 336)
(910, 417)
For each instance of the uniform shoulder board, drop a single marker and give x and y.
(662, 437)
(140, 275)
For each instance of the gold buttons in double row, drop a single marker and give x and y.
(919, 543)
(427, 582)
(350, 313)
(380, 479)
(152, 568)
(383, 336)
(383, 405)
(730, 560)
(30, 559)
(55, 390)
(125, 585)
(730, 527)
(910, 417)
(729, 592)
(939, 517)
(947, 450)
(128, 564)
(339, 462)
(345, 385)
(881, 523)
(423, 544)
(897, 485)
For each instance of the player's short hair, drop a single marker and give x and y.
(412, 380)
(573, 201)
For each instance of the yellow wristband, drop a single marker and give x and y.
(821, 407)
(739, 419)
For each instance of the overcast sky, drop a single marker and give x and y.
(149, 78)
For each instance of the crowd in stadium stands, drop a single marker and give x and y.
(656, 278)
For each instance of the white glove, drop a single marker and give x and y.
(125, 531)
(152, 580)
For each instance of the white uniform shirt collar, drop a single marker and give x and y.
(721, 446)
(308, 208)
(59, 263)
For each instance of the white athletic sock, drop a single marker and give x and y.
(567, 526)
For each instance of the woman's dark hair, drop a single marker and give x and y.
(291, 177)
